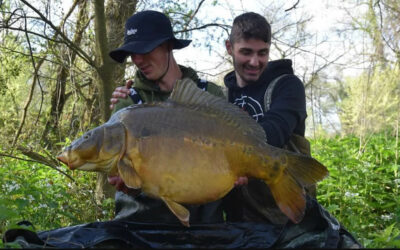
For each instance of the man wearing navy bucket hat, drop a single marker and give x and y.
(144, 31)
(149, 42)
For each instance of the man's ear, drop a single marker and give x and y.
(229, 47)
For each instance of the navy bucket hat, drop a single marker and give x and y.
(144, 31)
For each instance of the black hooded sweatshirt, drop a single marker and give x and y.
(287, 111)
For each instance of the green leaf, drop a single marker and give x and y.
(7, 213)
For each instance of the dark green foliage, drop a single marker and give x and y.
(10, 63)
(362, 191)
(48, 199)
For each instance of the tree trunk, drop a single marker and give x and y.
(109, 34)
(57, 104)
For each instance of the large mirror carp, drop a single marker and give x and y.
(191, 149)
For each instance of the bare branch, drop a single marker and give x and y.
(78, 50)
(28, 101)
(24, 54)
(41, 159)
(36, 71)
(322, 67)
(223, 26)
(31, 32)
(74, 4)
(390, 46)
(35, 79)
(294, 6)
(193, 15)
(299, 48)
(37, 158)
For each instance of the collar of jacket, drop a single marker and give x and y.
(142, 83)
(273, 70)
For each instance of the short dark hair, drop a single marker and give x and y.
(250, 25)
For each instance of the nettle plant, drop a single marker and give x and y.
(362, 191)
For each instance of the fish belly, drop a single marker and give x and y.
(182, 169)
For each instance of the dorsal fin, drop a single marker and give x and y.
(186, 92)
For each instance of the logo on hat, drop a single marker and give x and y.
(131, 32)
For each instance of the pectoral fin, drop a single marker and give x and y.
(128, 173)
(180, 211)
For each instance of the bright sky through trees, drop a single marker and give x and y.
(325, 16)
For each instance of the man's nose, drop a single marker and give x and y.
(137, 58)
(254, 61)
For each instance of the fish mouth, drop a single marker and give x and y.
(76, 162)
(65, 158)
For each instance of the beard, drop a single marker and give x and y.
(240, 68)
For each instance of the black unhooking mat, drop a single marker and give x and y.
(143, 235)
(318, 229)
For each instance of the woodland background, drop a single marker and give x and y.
(56, 79)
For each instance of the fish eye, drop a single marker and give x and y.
(86, 136)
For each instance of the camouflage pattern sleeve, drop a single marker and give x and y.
(122, 103)
(215, 89)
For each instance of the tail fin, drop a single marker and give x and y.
(289, 196)
(305, 169)
(288, 190)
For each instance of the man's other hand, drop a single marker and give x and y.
(120, 92)
(243, 180)
(120, 185)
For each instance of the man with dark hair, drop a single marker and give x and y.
(249, 45)
(275, 98)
